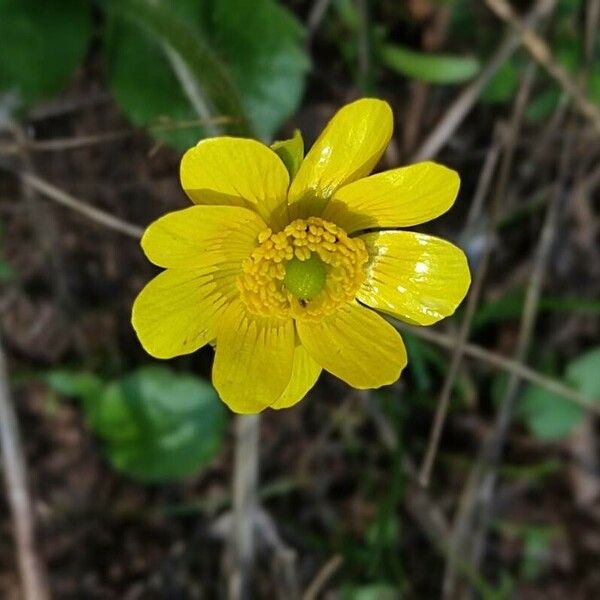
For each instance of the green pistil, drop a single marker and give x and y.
(305, 278)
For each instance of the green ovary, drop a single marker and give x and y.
(305, 278)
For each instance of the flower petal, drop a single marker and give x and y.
(398, 198)
(177, 311)
(253, 360)
(239, 172)
(347, 149)
(200, 235)
(417, 278)
(356, 345)
(305, 372)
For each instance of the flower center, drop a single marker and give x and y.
(305, 278)
(305, 271)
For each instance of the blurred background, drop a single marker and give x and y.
(128, 461)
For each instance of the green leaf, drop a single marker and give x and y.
(236, 59)
(143, 40)
(583, 372)
(542, 105)
(291, 152)
(431, 68)
(42, 44)
(261, 42)
(6, 271)
(536, 551)
(80, 384)
(548, 416)
(158, 425)
(376, 591)
(594, 84)
(510, 306)
(503, 85)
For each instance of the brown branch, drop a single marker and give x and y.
(467, 99)
(541, 52)
(33, 579)
(54, 193)
(326, 572)
(477, 288)
(554, 386)
(245, 505)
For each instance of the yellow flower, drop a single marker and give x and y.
(283, 276)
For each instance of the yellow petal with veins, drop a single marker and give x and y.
(305, 372)
(238, 172)
(201, 235)
(415, 277)
(253, 359)
(348, 148)
(356, 345)
(176, 313)
(397, 198)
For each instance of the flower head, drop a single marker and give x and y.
(283, 275)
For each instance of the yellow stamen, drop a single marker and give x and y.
(305, 271)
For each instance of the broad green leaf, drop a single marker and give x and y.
(431, 68)
(584, 373)
(291, 152)
(158, 425)
(42, 42)
(261, 42)
(233, 59)
(151, 95)
(548, 416)
(146, 41)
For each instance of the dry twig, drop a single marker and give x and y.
(33, 577)
(498, 361)
(54, 193)
(479, 279)
(245, 505)
(541, 52)
(326, 572)
(467, 99)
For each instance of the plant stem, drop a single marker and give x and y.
(245, 505)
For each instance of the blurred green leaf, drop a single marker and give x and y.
(376, 591)
(584, 373)
(510, 306)
(431, 68)
(238, 59)
(417, 351)
(43, 41)
(80, 384)
(155, 424)
(6, 271)
(158, 425)
(145, 41)
(536, 551)
(503, 85)
(548, 416)
(261, 42)
(291, 152)
(594, 84)
(542, 105)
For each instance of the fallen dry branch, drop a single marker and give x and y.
(33, 578)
